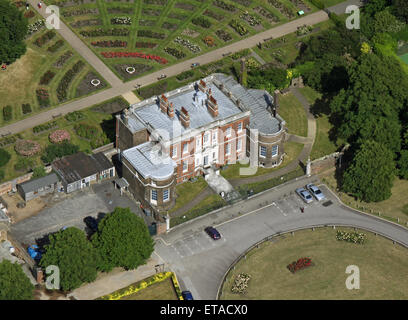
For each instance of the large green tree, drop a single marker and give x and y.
(14, 284)
(4, 157)
(268, 78)
(123, 240)
(401, 9)
(74, 255)
(371, 173)
(403, 164)
(13, 28)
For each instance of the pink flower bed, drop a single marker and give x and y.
(27, 147)
(134, 55)
(59, 135)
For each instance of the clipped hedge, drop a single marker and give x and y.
(7, 113)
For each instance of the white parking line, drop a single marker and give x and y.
(279, 209)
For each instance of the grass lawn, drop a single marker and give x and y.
(383, 268)
(292, 150)
(163, 290)
(394, 207)
(291, 110)
(18, 84)
(187, 191)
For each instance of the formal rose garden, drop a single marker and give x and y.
(59, 136)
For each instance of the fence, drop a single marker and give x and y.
(279, 234)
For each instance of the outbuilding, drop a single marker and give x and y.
(38, 187)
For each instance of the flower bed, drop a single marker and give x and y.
(27, 148)
(268, 15)
(44, 127)
(147, 23)
(36, 26)
(202, 22)
(223, 35)
(184, 6)
(74, 116)
(86, 131)
(134, 55)
(121, 20)
(213, 15)
(102, 32)
(223, 5)
(245, 3)
(251, 19)
(151, 12)
(67, 78)
(149, 45)
(40, 41)
(185, 75)
(302, 263)
(175, 52)
(303, 30)
(26, 108)
(110, 44)
(150, 34)
(190, 33)
(86, 23)
(62, 59)
(4, 142)
(209, 41)
(169, 26)
(56, 46)
(43, 97)
(240, 283)
(156, 2)
(59, 136)
(353, 237)
(80, 12)
(186, 43)
(177, 16)
(282, 8)
(136, 68)
(238, 27)
(29, 14)
(125, 10)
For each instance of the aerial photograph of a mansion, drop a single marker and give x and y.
(171, 138)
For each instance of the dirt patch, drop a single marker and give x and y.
(85, 86)
(139, 69)
(31, 209)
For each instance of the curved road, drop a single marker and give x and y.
(200, 263)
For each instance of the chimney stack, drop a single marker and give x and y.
(170, 110)
(164, 103)
(202, 86)
(184, 118)
(212, 106)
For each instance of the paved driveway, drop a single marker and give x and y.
(200, 263)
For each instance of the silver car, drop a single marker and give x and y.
(304, 194)
(316, 192)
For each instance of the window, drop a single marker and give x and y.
(239, 144)
(240, 127)
(166, 195)
(228, 132)
(262, 151)
(214, 137)
(198, 141)
(185, 167)
(197, 162)
(205, 139)
(205, 160)
(275, 151)
(154, 195)
(185, 148)
(174, 152)
(228, 149)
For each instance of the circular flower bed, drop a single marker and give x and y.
(27, 147)
(59, 136)
(95, 82)
(130, 70)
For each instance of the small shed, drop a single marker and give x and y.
(38, 187)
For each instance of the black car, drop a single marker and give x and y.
(213, 233)
(91, 223)
(187, 295)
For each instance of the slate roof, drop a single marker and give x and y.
(34, 185)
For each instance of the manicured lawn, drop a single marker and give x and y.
(291, 110)
(292, 150)
(18, 84)
(382, 268)
(187, 191)
(163, 290)
(392, 208)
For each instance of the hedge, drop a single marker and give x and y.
(7, 113)
(318, 3)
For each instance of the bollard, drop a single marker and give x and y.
(398, 220)
(293, 233)
(334, 227)
(313, 229)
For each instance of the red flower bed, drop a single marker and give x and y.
(27, 147)
(300, 264)
(134, 55)
(59, 135)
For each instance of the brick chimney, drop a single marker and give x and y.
(212, 106)
(202, 86)
(164, 103)
(170, 110)
(184, 118)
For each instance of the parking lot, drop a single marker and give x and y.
(95, 201)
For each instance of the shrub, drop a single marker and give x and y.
(2, 175)
(24, 164)
(62, 59)
(150, 34)
(67, 78)
(43, 97)
(56, 46)
(38, 172)
(75, 116)
(47, 77)
(241, 283)
(40, 41)
(353, 237)
(175, 52)
(26, 108)
(86, 131)
(45, 127)
(27, 148)
(185, 75)
(4, 157)
(60, 150)
(202, 22)
(238, 27)
(59, 136)
(7, 113)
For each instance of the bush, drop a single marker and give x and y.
(185, 75)
(86, 131)
(150, 34)
(45, 127)
(24, 164)
(7, 113)
(318, 3)
(27, 148)
(4, 157)
(54, 151)
(26, 108)
(74, 116)
(38, 172)
(202, 22)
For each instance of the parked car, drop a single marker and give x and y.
(304, 194)
(91, 223)
(187, 295)
(162, 76)
(213, 233)
(195, 64)
(315, 191)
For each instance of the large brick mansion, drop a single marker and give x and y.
(165, 140)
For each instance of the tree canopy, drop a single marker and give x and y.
(75, 256)
(13, 26)
(4, 157)
(59, 150)
(371, 173)
(39, 172)
(14, 283)
(401, 9)
(268, 78)
(122, 240)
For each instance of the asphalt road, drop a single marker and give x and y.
(200, 262)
